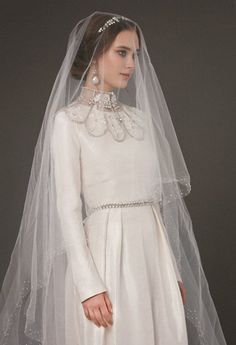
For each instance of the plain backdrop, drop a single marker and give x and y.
(192, 45)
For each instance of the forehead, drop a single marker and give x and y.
(127, 38)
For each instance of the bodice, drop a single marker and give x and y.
(117, 159)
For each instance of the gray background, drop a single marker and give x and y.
(192, 47)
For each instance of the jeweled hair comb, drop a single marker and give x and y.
(111, 21)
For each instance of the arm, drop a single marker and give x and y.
(178, 277)
(66, 162)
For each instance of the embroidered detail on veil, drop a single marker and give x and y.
(126, 120)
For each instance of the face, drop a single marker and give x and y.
(116, 66)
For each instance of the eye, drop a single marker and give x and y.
(122, 51)
(135, 55)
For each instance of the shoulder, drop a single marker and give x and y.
(60, 116)
(74, 112)
(68, 115)
(135, 114)
(62, 113)
(62, 125)
(133, 109)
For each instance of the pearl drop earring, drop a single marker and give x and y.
(95, 79)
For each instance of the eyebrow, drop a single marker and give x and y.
(128, 48)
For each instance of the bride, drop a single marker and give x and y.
(106, 238)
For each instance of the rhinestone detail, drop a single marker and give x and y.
(192, 316)
(104, 100)
(136, 203)
(111, 21)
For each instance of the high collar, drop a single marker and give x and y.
(104, 100)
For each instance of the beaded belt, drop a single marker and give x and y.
(123, 204)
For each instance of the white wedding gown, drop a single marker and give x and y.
(121, 250)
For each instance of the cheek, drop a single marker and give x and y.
(113, 64)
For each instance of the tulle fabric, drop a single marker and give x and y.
(32, 301)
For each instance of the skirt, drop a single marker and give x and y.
(133, 257)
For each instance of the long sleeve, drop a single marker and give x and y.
(67, 167)
(178, 276)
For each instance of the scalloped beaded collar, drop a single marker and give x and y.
(100, 112)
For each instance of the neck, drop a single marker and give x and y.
(103, 99)
(94, 90)
(105, 88)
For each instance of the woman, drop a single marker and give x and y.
(105, 238)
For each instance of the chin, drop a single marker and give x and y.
(122, 85)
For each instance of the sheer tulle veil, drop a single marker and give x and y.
(33, 291)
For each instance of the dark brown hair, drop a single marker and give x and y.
(89, 41)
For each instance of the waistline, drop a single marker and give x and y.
(134, 203)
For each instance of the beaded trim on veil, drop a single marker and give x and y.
(100, 112)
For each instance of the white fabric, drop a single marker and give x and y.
(126, 253)
(51, 250)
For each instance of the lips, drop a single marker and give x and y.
(126, 75)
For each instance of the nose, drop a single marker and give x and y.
(130, 63)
